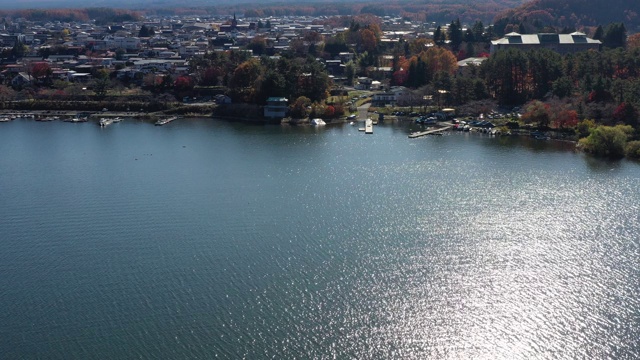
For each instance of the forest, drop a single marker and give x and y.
(538, 15)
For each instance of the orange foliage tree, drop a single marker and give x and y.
(439, 59)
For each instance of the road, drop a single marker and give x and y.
(363, 111)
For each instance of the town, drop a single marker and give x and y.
(304, 67)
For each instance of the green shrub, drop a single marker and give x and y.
(632, 150)
(584, 128)
(607, 141)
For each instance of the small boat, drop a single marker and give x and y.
(117, 119)
(105, 121)
(318, 122)
(48, 118)
(5, 119)
(76, 119)
(165, 121)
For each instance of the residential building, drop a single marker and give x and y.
(276, 107)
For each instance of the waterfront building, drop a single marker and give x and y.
(276, 107)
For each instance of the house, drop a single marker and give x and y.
(22, 79)
(334, 67)
(396, 95)
(561, 43)
(465, 65)
(364, 83)
(345, 57)
(222, 99)
(276, 107)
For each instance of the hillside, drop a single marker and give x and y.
(578, 14)
(441, 11)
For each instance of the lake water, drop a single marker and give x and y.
(204, 239)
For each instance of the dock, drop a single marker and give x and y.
(429, 132)
(165, 121)
(368, 126)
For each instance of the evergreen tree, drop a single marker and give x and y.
(455, 34)
(438, 36)
(599, 34)
(478, 31)
(615, 35)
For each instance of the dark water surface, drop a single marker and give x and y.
(205, 239)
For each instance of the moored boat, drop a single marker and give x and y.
(105, 122)
(318, 122)
(165, 121)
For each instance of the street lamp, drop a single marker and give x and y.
(440, 93)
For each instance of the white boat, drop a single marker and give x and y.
(318, 122)
(105, 121)
(165, 121)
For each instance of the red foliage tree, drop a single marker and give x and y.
(626, 114)
(329, 111)
(183, 83)
(566, 119)
(400, 77)
(40, 70)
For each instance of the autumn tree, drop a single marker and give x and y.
(419, 45)
(6, 93)
(299, 107)
(243, 80)
(633, 42)
(41, 71)
(313, 37)
(183, 83)
(566, 118)
(536, 112)
(368, 40)
(440, 59)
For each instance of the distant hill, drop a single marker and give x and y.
(577, 14)
(468, 11)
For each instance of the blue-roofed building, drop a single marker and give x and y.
(276, 107)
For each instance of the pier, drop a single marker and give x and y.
(368, 126)
(429, 132)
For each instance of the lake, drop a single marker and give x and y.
(203, 239)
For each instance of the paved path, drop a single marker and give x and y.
(363, 111)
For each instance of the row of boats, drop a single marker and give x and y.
(8, 118)
(105, 121)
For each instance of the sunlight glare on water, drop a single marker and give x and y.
(202, 239)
